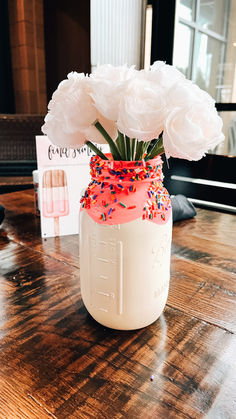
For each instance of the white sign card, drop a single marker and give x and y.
(63, 175)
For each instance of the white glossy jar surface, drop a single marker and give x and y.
(124, 271)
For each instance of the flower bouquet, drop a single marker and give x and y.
(126, 225)
(140, 114)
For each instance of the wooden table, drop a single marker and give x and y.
(57, 362)
(15, 183)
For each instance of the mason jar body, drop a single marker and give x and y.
(125, 241)
(124, 271)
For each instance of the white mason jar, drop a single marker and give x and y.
(124, 271)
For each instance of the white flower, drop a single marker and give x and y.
(72, 103)
(69, 122)
(94, 135)
(192, 130)
(108, 85)
(184, 92)
(142, 110)
(140, 103)
(53, 128)
(165, 75)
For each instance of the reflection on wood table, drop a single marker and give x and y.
(56, 361)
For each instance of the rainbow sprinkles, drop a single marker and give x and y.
(123, 191)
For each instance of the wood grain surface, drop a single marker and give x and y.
(57, 362)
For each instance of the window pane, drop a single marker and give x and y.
(186, 9)
(228, 69)
(228, 147)
(214, 64)
(207, 71)
(213, 15)
(182, 55)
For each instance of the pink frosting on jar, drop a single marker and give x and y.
(123, 191)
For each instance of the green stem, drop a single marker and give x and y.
(128, 149)
(151, 148)
(125, 154)
(121, 145)
(96, 150)
(156, 149)
(139, 150)
(118, 144)
(145, 147)
(114, 150)
(133, 148)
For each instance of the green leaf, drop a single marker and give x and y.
(113, 148)
(118, 144)
(139, 150)
(156, 149)
(151, 148)
(96, 150)
(133, 148)
(145, 147)
(128, 148)
(121, 145)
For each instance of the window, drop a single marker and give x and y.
(205, 51)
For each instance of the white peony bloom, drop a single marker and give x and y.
(140, 103)
(92, 133)
(192, 130)
(142, 110)
(165, 75)
(184, 92)
(54, 129)
(108, 86)
(73, 103)
(69, 122)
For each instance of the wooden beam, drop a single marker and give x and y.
(28, 55)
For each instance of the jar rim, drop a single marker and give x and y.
(126, 171)
(157, 160)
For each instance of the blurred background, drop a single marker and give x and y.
(41, 41)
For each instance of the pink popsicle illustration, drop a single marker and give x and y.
(55, 196)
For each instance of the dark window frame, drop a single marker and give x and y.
(212, 165)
